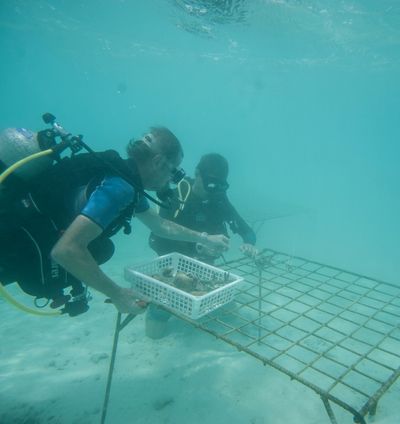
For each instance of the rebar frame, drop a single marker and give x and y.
(120, 325)
(334, 331)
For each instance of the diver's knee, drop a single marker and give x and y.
(156, 322)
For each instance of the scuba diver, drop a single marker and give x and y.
(201, 204)
(56, 219)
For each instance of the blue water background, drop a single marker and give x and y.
(302, 97)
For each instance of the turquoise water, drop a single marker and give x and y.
(301, 96)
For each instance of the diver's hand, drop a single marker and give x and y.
(127, 302)
(218, 242)
(249, 250)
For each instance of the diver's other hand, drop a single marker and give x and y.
(127, 302)
(217, 242)
(249, 250)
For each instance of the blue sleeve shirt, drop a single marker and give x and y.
(110, 199)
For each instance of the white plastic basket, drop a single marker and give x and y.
(178, 300)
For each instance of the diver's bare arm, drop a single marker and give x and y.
(72, 254)
(168, 229)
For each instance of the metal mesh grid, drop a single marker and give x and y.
(334, 331)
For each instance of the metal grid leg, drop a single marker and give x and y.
(118, 328)
(329, 411)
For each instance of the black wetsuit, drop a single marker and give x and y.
(212, 216)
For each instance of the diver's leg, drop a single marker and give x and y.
(156, 321)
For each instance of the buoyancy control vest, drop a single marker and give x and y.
(34, 214)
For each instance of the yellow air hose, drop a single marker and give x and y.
(23, 161)
(22, 307)
(3, 291)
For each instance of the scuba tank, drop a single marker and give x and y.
(19, 143)
(25, 154)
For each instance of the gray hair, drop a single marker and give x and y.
(159, 140)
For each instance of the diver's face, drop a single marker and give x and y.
(162, 171)
(209, 186)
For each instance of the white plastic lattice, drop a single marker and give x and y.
(140, 276)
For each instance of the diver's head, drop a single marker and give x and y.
(158, 155)
(211, 176)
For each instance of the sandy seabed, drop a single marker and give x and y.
(54, 370)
